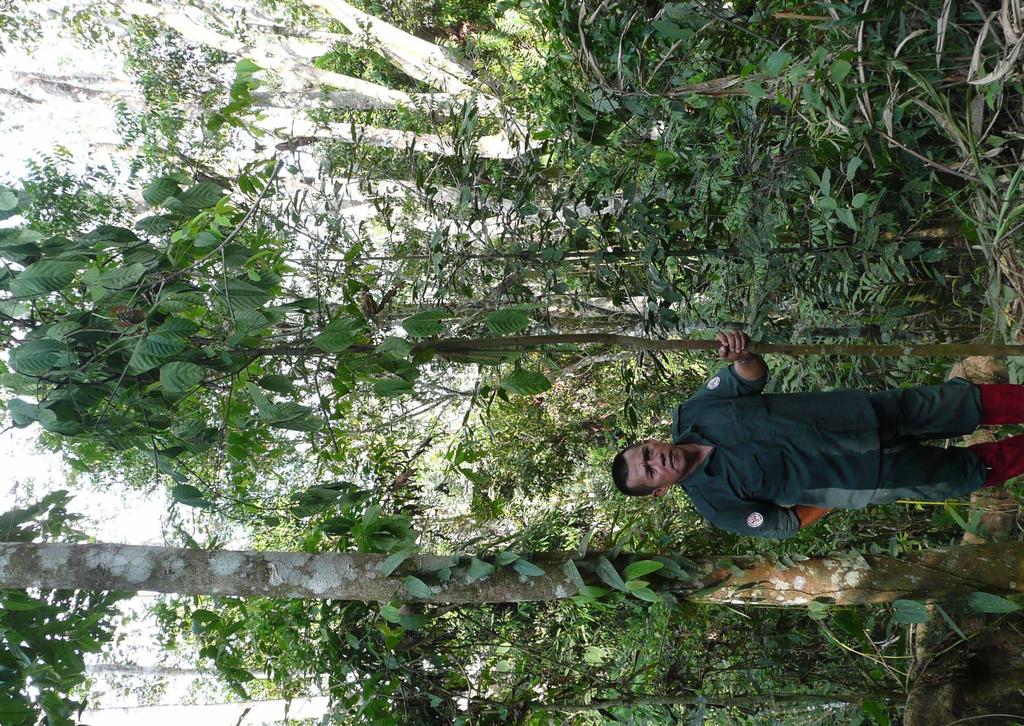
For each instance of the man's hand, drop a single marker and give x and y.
(732, 346)
(808, 515)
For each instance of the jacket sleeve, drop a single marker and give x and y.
(756, 519)
(749, 518)
(726, 384)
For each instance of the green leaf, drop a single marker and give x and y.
(956, 516)
(595, 655)
(839, 70)
(293, 416)
(525, 383)
(527, 568)
(201, 196)
(247, 66)
(23, 413)
(249, 322)
(120, 278)
(391, 563)
(155, 224)
(852, 166)
(242, 294)
(178, 377)
(859, 199)
(16, 600)
(755, 89)
(39, 356)
(645, 593)
(338, 335)
(774, 63)
(205, 239)
(876, 711)
(413, 622)
(818, 610)
(909, 611)
(425, 324)
(8, 200)
(608, 574)
(333, 342)
(672, 568)
(390, 613)
(177, 327)
(949, 621)
(670, 31)
(593, 592)
(573, 573)
(984, 602)
(395, 347)
(392, 387)
(504, 558)
(163, 345)
(189, 495)
(507, 322)
(17, 383)
(478, 569)
(43, 277)
(157, 191)
(585, 542)
(18, 237)
(111, 233)
(416, 587)
(141, 361)
(263, 405)
(846, 217)
(641, 568)
(276, 382)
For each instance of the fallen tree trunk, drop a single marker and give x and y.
(930, 575)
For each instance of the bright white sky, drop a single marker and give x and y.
(87, 130)
(29, 130)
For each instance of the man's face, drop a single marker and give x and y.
(654, 466)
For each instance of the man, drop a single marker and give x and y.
(768, 465)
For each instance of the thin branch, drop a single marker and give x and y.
(930, 162)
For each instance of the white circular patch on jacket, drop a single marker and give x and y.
(713, 383)
(755, 520)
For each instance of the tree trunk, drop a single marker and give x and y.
(125, 669)
(943, 574)
(419, 58)
(295, 130)
(354, 93)
(978, 679)
(802, 701)
(249, 712)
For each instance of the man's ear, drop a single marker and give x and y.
(660, 491)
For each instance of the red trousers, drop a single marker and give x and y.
(1002, 403)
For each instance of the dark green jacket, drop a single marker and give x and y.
(772, 451)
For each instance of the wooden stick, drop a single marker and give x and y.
(628, 342)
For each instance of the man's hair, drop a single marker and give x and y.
(620, 474)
